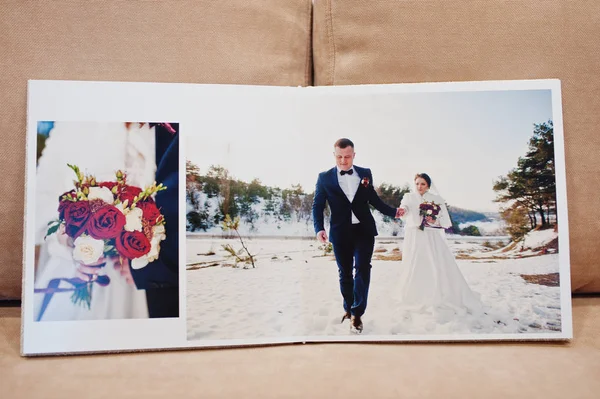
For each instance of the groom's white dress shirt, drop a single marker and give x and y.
(349, 185)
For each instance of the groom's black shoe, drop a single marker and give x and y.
(346, 315)
(356, 325)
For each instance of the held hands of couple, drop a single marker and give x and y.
(322, 236)
(400, 212)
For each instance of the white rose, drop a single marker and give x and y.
(101, 193)
(133, 220)
(140, 262)
(88, 250)
(154, 249)
(158, 232)
(429, 212)
(155, 243)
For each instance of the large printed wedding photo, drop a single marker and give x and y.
(389, 215)
(106, 221)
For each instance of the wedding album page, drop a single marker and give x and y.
(405, 212)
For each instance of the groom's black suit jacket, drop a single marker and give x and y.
(160, 278)
(328, 190)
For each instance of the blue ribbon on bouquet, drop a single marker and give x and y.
(53, 288)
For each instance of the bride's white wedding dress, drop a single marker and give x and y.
(430, 279)
(99, 149)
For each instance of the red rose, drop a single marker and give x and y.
(76, 217)
(129, 193)
(132, 244)
(150, 211)
(106, 222)
(63, 204)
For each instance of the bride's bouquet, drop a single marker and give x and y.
(108, 219)
(428, 209)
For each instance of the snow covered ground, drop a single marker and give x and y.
(294, 291)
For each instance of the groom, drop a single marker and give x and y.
(349, 191)
(160, 278)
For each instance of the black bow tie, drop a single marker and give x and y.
(343, 172)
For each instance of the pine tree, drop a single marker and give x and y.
(529, 190)
(192, 184)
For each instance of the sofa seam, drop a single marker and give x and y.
(331, 36)
(309, 59)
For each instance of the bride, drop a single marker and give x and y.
(430, 277)
(99, 149)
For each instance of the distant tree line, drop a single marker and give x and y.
(237, 199)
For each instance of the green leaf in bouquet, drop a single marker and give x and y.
(78, 172)
(52, 229)
(83, 295)
(110, 249)
(112, 252)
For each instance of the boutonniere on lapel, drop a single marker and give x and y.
(365, 181)
(167, 126)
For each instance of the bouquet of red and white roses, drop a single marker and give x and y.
(108, 219)
(428, 209)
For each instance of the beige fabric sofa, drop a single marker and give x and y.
(279, 42)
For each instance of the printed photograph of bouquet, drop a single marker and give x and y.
(106, 221)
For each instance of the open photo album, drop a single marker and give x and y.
(170, 216)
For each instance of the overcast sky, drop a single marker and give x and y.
(463, 140)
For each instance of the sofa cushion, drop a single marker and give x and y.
(457, 370)
(238, 41)
(380, 41)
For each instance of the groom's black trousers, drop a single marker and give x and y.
(354, 250)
